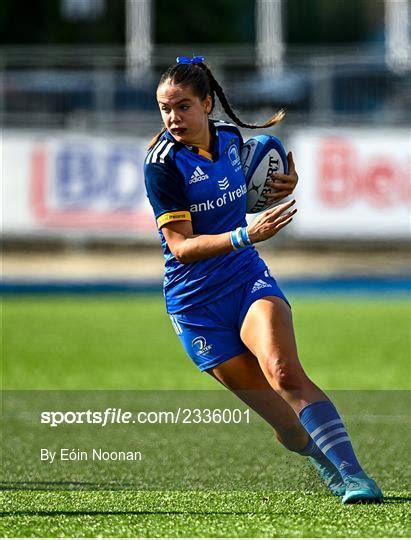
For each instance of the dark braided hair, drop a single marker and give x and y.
(203, 83)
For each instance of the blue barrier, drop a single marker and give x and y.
(336, 285)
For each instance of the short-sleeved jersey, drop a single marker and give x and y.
(183, 184)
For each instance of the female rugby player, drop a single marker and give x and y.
(227, 309)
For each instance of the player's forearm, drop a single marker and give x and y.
(203, 246)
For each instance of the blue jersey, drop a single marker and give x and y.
(184, 184)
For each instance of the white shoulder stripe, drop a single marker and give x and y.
(154, 152)
(166, 151)
(150, 153)
(223, 123)
(157, 150)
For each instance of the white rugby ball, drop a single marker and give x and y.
(261, 156)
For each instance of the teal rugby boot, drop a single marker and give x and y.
(330, 475)
(360, 488)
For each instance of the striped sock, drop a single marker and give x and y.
(324, 425)
(312, 450)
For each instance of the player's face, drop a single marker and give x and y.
(184, 115)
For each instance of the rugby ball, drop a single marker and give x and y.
(261, 156)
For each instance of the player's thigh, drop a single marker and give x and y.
(243, 375)
(267, 331)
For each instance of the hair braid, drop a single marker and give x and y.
(215, 87)
(202, 83)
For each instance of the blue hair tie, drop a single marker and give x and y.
(188, 60)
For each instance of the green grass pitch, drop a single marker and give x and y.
(127, 343)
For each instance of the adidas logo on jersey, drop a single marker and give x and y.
(198, 175)
(259, 284)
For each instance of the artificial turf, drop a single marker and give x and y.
(127, 343)
(200, 514)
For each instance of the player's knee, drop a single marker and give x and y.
(283, 376)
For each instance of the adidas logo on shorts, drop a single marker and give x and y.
(198, 175)
(259, 284)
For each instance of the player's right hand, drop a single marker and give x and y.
(282, 184)
(268, 223)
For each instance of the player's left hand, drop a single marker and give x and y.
(283, 185)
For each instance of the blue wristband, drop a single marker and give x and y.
(239, 238)
(234, 240)
(244, 236)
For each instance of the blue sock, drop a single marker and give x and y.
(324, 425)
(312, 450)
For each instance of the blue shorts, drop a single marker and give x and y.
(210, 333)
